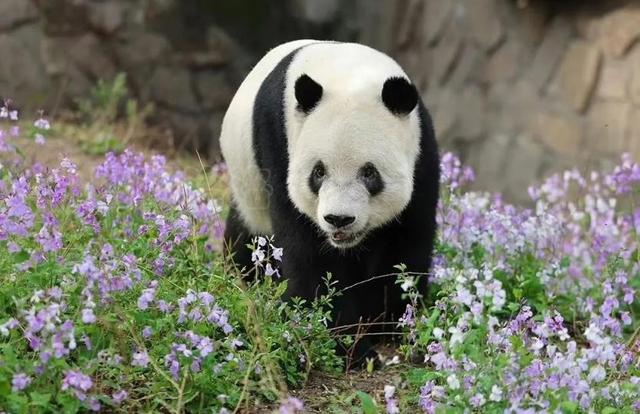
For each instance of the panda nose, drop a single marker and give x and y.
(339, 221)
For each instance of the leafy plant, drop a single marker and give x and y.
(108, 105)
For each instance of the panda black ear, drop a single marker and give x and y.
(399, 96)
(308, 93)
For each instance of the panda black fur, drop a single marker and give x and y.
(330, 148)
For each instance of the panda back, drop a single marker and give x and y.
(236, 142)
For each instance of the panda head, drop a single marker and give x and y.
(352, 155)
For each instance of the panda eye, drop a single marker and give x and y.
(369, 171)
(316, 177)
(319, 171)
(371, 178)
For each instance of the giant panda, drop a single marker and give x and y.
(330, 149)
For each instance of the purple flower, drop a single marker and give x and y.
(408, 317)
(391, 403)
(77, 382)
(88, 316)
(119, 396)
(140, 359)
(291, 405)
(42, 123)
(163, 306)
(19, 382)
(94, 404)
(146, 298)
(477, 400)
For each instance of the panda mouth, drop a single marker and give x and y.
(345, 239)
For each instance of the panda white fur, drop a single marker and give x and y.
(330, 148)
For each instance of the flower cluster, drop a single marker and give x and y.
(9, 116)
(107, 287)
(265, 254)
(534, 310)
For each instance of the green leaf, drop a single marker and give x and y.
(21, 256)
(40, 400)
(18, 403)
(569, 407)
(366, 403)
(517, 293)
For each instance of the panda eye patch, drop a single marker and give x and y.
(371, 178)
(318, 174)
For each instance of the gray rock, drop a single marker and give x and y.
(634, 87)
(505, 63)
(172, 87)
(22, 77)
(444, 57)
(561, 132)
(523, 162)
(218, 39)
(549, 53)
(607, 125)
(204, 59)
(213, 138)
(619, 30)
(64, 17)
(214, 89)
(482, 23)
(16, 12)
(409, 13)
(488, 159)
(142, 48)
(435, 16)
(86, 53)
(317, 12)
(614, 80)
(634, 134)
(444, 108)
(469, 66)
(471, 110)
(107, 17)
(576, 78)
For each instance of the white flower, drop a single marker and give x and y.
(407, 283)
(456, 336)
(597, 374)
(42, 124)
(464, 296)
(437, 333)
(478, 400)
(499, 299)
(496, 393)
(536, 345)
(393, 361)
(389, 391)
(453, 382)
(592, 333)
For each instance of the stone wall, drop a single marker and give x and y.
(54, 51)
(524, 88)
(186, 57)
(519, 88)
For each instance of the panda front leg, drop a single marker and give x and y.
(236, 238)
(305, 265)
(412, 252)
